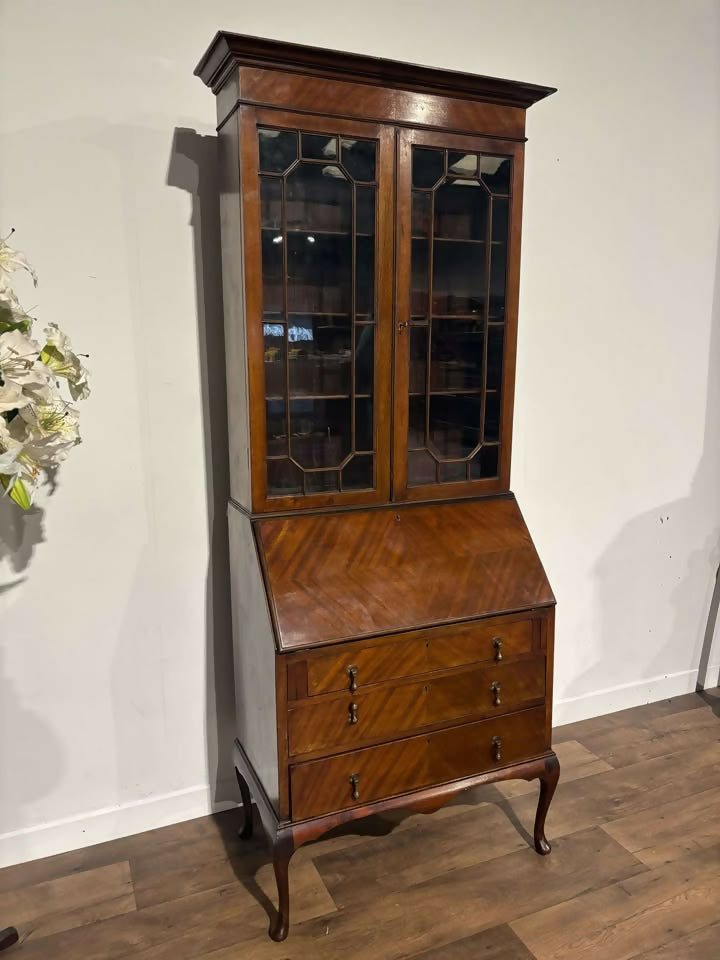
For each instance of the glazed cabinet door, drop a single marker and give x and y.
(459, 205)
(317, 204)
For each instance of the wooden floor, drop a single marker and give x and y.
(634, 873)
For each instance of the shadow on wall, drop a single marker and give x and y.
(20, 532)
(194, 168)
(648, 552)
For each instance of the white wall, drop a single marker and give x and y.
(114, 621)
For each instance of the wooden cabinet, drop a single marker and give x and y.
(393, 625)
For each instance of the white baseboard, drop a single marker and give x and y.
(625, 695)
(110, 823)
(98, 826)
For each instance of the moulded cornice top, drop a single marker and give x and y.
(230, 50)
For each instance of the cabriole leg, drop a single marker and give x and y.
(247, 827)
(548, 781)
(283, 849)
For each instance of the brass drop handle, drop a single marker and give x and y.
(352, 713)
(495, 688)
(354, 777)
(352, 673)
(402, 325)
(497, 643)
(497, 749)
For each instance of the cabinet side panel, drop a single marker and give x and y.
(253, 657)
(234, 307)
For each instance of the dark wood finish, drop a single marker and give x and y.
(364, 573)
(341, 721)
(229, 50)
(319, 787)
(8, 937)
(388, 655)
(415, 653)
(351, 100)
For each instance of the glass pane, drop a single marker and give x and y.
(498, 259)
(496, 173)
(358, 158)
(452, 472)
(278, 149)
(320, 431)
(462, 164)
(494, 356)
(420, 229)
(319, 199)
(271, 203)
(284, 478)
(416, 423)
(365, 211)
(422, 468)
(323, 481)
(364, 358)
(456, 360)
(485, 463)
(319, 355)
(358, 474)
(319, 273)
(428, 166)
(459, 278)
(418, 359)
(274, 356)
(364, 424)
(492, 416)
(318, 146)
(272, 251)
(365, 277)
(276, 424)
(461, 211)
(454, 425)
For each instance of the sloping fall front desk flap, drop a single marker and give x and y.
(363, 573)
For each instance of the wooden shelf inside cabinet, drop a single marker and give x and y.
(393, 627)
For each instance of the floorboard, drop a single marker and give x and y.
(634, 873)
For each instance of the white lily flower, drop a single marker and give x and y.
(11, 260)
(57, 354)
(10, 449)
(12, 397)
(57, 421)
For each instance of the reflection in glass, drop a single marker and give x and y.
(428, 166)
(422, 468)
(358, 158)
(454, 425)
(462, 164)
(284, 478)
(456, 359)
(461, 211)
(277, 150)
(496, 173)
(318, 146)
(364, 358)
(320, 431)
(321, 481)
(274, 359)
(358, 474)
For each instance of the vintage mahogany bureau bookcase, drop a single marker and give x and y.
(393, 625)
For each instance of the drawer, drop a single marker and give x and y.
(341, 721)
(359, 664)
(352, 779)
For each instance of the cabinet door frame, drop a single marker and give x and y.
(251, 119)
(406, 139)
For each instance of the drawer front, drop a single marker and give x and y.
(362, 663)
(346, 720)
(352, 779)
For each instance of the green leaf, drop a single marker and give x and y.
(19, 492)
